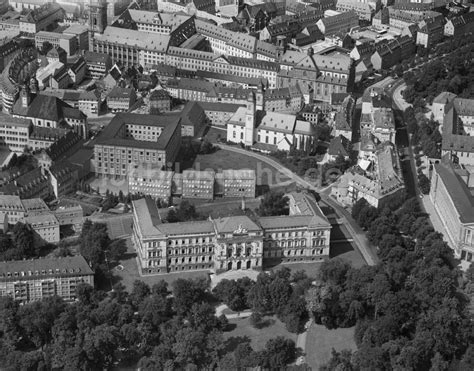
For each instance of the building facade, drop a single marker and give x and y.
(31, 280)
(231, 243)
(451, 194)
(136, 140)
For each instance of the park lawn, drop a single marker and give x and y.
(222, 160)
(320, 341)
(258, 337)
(311, 269)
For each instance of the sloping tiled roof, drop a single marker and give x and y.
(459, 193)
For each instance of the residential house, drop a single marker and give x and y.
(77, 71)
(160, 101)
(64, 178)
(98, 64)
(121, 99)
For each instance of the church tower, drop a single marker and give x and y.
(260, 98)
(25, 96)
(97, 19)
(250, 120)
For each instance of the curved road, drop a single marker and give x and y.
(357, 233)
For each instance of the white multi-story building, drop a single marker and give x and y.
(451, 194)
(14, 133)
(230, 243)
(268, 131)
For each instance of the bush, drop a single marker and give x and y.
(256, 320)
(424, 184)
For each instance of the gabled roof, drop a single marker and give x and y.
(148, 216)
(135, 39)
(339, 146)
(43, 107)
(231, 224)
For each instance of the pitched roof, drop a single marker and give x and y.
(147, 213)
(135, 39)
(110, 135)
(47, 107)
(339, 146)
(459, 193)
(233, 223)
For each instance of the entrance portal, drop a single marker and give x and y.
(239, 265)
(229, 266)
(248, 264)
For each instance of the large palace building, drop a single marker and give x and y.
(231, 243)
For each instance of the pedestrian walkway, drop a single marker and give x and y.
(221, 308)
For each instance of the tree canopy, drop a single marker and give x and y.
(409, 310)
(273, 203)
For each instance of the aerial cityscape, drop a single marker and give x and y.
(237, 185)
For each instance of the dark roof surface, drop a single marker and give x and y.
(50, 266)
(459, 192)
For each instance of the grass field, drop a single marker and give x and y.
(243, 331)
(320, 341)
(311, 269)
(222, 159)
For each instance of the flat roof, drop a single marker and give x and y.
(44, 267)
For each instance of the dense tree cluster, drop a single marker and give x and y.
(277, 292)
(20, 245)
(21, 164)
(300, 162)
(233, 293)
(425, 132)
(409, 310)
(424, 183)
(161, 331)
(98, 249)
(184, 212)
(331, 170)
(273, 203)
(453, 73)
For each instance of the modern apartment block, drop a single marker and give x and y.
(230, 243)
(14, 133)
(198, 184)
(31, 280)
(193, 183)
(132, 140)
(67, 42)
